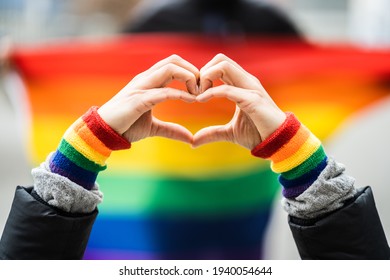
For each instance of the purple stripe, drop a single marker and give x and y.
(296, 191)
(117, 255)
(76, 174)
(243, 254)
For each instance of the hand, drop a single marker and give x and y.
(129, 112)
(256, 116)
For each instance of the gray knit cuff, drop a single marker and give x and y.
(326, 194)
(62, 193)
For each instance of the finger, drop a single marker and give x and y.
(219, 58)
(144, 101)
(230, 74)
(171, 130)
(257, 105)
(249, 101)
(212, 134)
(170, 72)
(246, 99)
(131, 106)
(155, 96)
(205, 84)
(173, 59)
(238, 95)
(123, 110)
(166, 74)
(177, 60)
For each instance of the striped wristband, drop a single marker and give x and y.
(84, 149)
(295, 153)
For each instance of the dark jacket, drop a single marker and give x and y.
(35, 230)
(352, 232)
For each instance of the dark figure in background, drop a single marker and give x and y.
(217, 17)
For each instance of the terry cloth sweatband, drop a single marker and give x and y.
(84, 149)
(295, 153)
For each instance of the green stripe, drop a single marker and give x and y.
(73, 155)
(136, 194)
(308, 165)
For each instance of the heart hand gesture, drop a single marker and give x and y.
(256, 117)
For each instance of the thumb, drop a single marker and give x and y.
(212, 134)
(171, 130)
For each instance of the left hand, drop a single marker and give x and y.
(256, 116)
(129, 112)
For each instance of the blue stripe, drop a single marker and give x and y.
(60, 164)
(307, 178)
(179, 233)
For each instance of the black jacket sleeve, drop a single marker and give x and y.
(35, 230)
(352, 232)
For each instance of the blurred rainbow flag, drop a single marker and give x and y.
(163, 199)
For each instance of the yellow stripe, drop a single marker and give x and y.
(83, 148)
(155, 155)
(292, 146)
(87, 135)
(303, 153)
(162, 156)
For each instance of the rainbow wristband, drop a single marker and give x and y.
(84, 149)
(295, 153)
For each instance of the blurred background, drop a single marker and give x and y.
(356, 21)
(361, 23)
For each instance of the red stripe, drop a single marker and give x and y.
(279, 138)
(104, 132)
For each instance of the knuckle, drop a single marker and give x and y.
(164, 91)
(170, 68)
(130, 95)
(261, 95)
(225, 65)
(226, 88)
(255, 92)
(174, 58)
(220, 56)
(138, 92)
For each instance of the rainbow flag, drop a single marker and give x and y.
(163, 199)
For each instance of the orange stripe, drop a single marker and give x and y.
(292, 146)
(83, 148)
(304, 152)
(87, 135)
